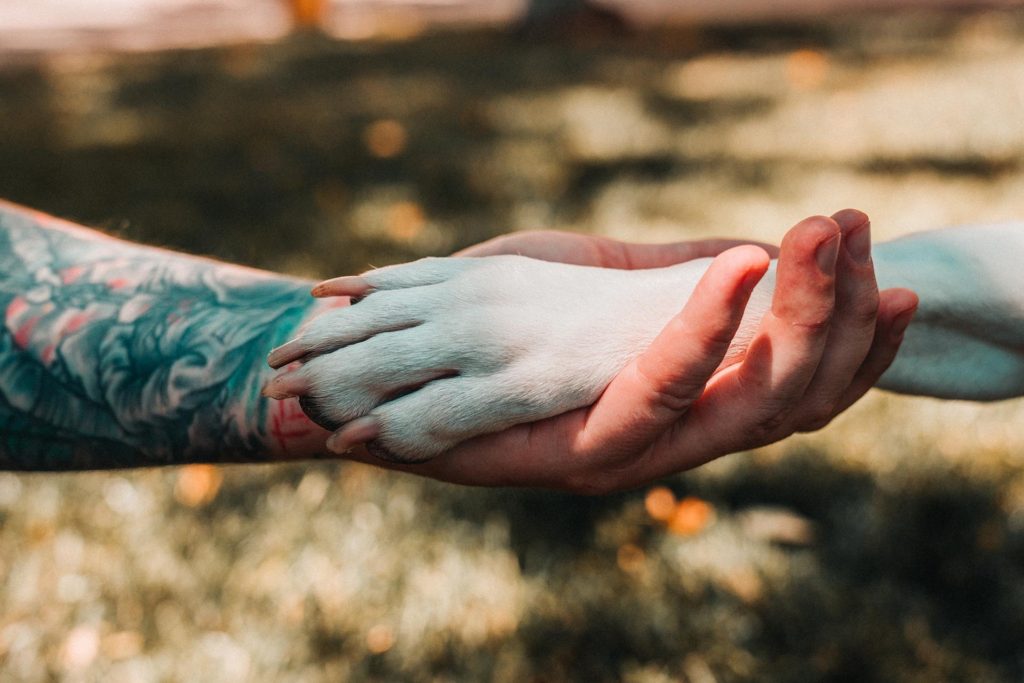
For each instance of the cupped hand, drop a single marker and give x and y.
(827, 339)
(603, 252)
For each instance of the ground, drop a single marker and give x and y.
(889, 547)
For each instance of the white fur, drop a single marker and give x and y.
(517, 339)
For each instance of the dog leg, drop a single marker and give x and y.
(441, 350)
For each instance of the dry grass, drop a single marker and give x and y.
(889, 547)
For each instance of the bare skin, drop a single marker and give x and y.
(115, 354)
(829, 337)
(120, 355)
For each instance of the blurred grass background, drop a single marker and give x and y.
(889, 547)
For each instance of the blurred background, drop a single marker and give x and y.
(319, 137)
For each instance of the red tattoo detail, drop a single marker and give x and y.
(16, 308)
(288, 422)
(75, 323)
(47, 354)
(118, 283)
(23, 333)
(69, 275)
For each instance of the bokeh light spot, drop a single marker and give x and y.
(631, 558)
(80, 648)
(307, 13)
(379, 639)
(385, 138)
(660, 503)
(405, 221)
(122, 644)
(691, 516)
(806, 69)
(745, 583)
(197, 485)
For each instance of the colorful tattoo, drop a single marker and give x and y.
(118, 355)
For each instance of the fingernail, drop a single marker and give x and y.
(902, 321)
(826, 255)
(858, 243)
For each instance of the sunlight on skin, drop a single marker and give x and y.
(969, 343)
(552, 453)
(120, 355)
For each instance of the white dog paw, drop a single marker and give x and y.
(442, 350)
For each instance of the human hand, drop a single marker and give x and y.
(827, 339)
(603, 252)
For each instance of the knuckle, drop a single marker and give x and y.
(707, 338)
(601, 472)
(814, 324)
(674, 395)
(819, 418)
(865, 310)
(771, 424)
(674, 398)
(715, 341)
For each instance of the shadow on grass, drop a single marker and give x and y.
(258, 154)
(913, 582)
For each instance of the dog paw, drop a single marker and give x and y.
(441, 350)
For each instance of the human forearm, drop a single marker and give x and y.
(116, 355)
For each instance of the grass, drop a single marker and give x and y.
(889, 547)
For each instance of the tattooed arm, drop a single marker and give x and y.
(114, 354)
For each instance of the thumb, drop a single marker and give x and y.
(656, 389)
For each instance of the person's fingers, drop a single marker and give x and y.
(745, 405)
(550, 245)
(594, 250)
(535, 454)
(641, 402)
(640, 256)
(852, 329)
(896, 310)
(654, 390)
(542, 454)
(787, 349)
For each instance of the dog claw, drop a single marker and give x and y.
(286, 353)
(348, 285)
(286, 385)
(354, 433)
